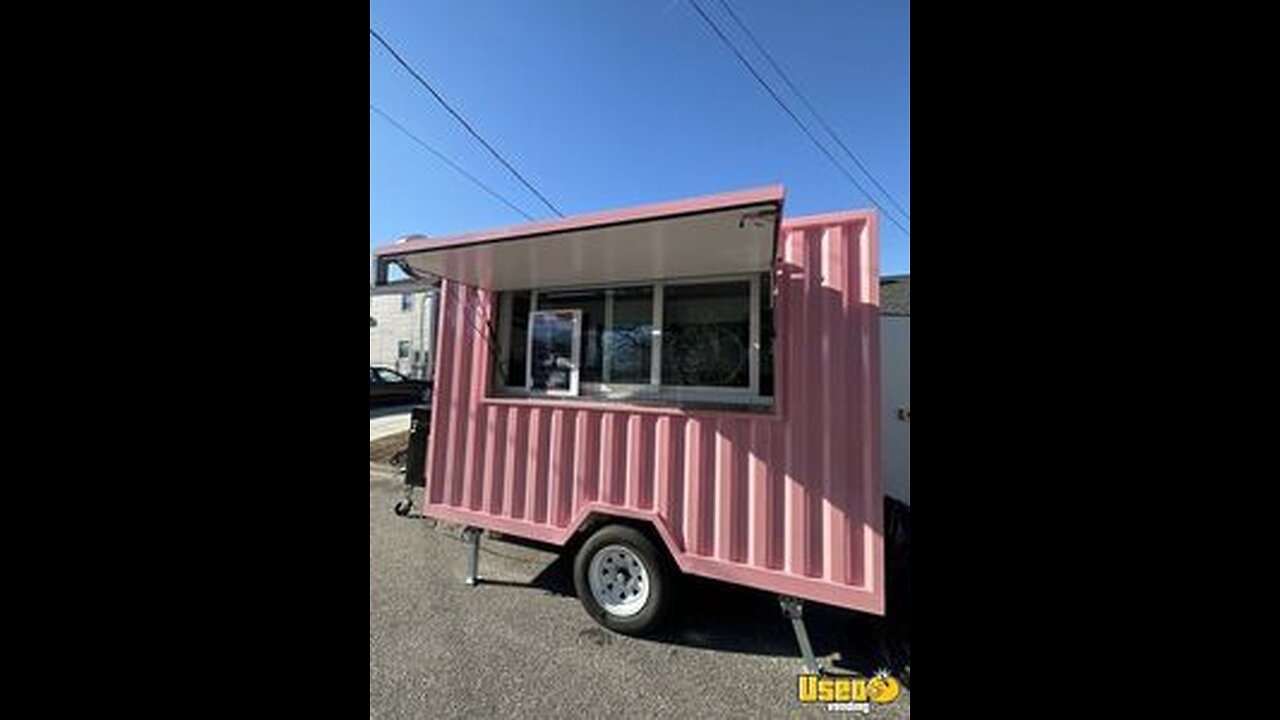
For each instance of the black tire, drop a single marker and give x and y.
(657, 570)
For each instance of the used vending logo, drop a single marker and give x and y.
(849, 694)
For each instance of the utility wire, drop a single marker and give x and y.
(716, 29)
(464, 122)
(444, 158)
(751, 36)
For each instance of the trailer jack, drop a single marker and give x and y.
(793, 608)
(471, 537)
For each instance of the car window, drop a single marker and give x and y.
(373, 376)
(390, 376)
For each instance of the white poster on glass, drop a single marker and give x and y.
(554, 338)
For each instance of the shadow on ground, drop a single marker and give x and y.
(732, 618)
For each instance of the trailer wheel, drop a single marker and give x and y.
(623, 580)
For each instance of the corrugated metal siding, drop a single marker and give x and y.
(787, 501)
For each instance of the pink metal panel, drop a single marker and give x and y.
(787, 500)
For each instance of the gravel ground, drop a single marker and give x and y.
(520, 643)
(384, 449)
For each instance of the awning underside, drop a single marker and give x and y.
(721, 241)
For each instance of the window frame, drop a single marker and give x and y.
(653, 391)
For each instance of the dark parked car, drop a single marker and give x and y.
(390, 387)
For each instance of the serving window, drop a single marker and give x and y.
(673, 342)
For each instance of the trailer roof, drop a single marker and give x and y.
(732, 232)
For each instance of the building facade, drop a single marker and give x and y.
(402, 331)
(895, 386)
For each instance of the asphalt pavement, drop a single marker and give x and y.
(385, 421)
(520, 644)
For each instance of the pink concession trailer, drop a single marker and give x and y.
(687, 387)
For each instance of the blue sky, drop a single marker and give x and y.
(610, 103)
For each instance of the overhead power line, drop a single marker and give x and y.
(822, 121)
(463, 121)
(444, 158)
(716, 29)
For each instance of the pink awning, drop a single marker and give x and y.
(715, 235)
